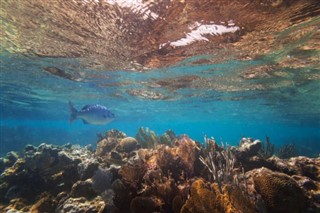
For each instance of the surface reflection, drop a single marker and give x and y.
(137, 35)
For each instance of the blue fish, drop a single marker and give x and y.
(92, 114)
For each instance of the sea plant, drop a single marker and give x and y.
(167, 138)
(220, 163)
(267, 149)
(287, 151)
(146, 138)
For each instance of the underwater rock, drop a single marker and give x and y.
(87, 168)
(14, 174)
(46, 203)
(45, 157)
(145, 205)
(116, 156)
(279, 191)
(2, 165)
(102, 180)
(288, 166)
(247, 148)
(305, 182)
(306, 167)
(122, 195)
(3, 190)
(303, 166)
(177, 204)
(46, 168)
(128, 144)
(81, 205)
(29, 148)
(10, 159)
(256, 162)
(311, 189)
(281, 165)
(17, 205)
(83, 189)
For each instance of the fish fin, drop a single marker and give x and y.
(73, 112)
(84, 121)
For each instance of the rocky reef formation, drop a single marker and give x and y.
(150, 173)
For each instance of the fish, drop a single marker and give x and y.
(91, 114)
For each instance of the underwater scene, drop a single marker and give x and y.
(142, 106)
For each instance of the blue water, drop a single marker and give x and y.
(34, 103)
(16, 134)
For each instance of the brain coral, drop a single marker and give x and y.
(279, 191)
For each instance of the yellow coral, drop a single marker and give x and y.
(204, 198)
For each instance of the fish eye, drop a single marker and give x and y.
(104, 116)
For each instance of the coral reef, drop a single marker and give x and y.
(146, 138)
(151, 173)
(247, 148)
(46, 169)
(128, 144)
(275, 188)
(149, 139)
(81, 205)
(180, 159)
(220, 163)
(205, 198)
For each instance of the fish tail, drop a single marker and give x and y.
(73, 112)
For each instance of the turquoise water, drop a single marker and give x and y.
(34, 104)
(259, 79)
